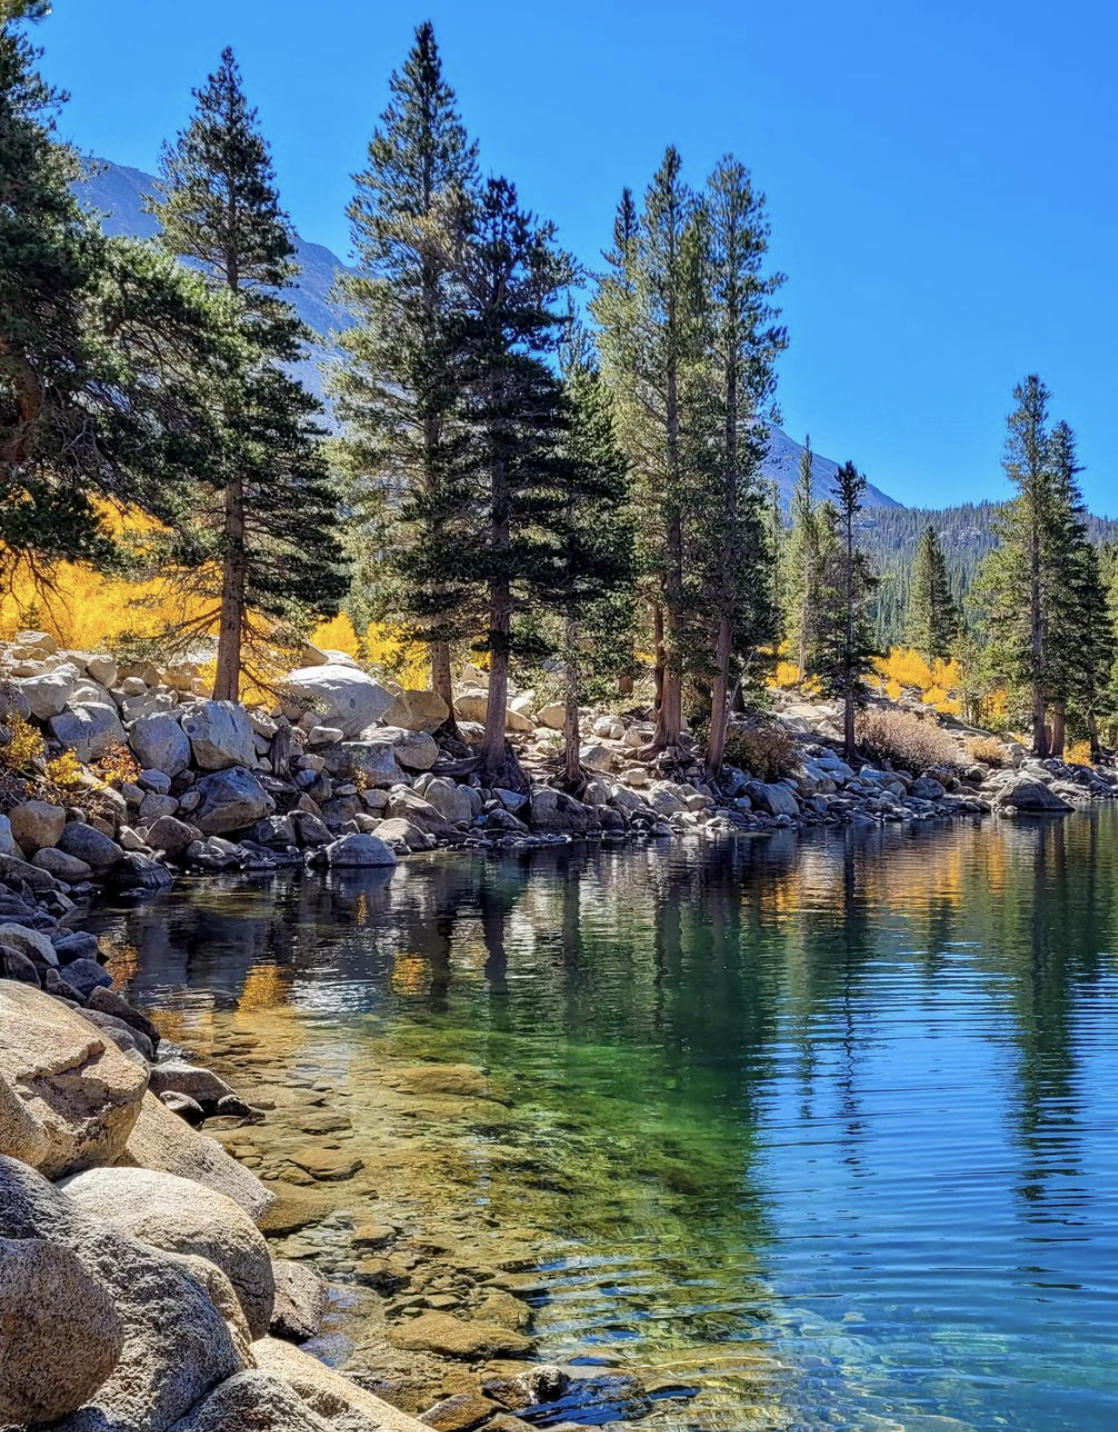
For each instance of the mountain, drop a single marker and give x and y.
(783, 466)
(117, 194)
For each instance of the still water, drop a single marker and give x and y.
(821, 1130)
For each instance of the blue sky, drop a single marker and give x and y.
(941, 176)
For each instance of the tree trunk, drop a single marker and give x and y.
(660, 655)
(1093, 736)
(1059, 730)
(442, 684)
(719, 702)
(849, 745)
(227, 682)
(1040, 723)
(572, 737)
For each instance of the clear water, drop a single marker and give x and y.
(820, 1130)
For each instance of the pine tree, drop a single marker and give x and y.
(99, 342)
(514, 276)
(807, 552)
(397, 387)
(1018, 578)
(649, 314)
(933, 616)
(270, 523)
(591, 584)
(737, 597)
(843, 649)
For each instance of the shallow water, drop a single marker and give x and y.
(816, 1132)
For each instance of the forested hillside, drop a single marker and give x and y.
(892, 534)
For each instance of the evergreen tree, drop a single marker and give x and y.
(514, 276)
(807, 553)
(843, 650)
(648, 309)
(590, 586)
(1019, 578)
(98, 342)
(269, 524)
(933, 617)
(397, 388)
(737, 597)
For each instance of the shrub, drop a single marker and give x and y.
(65, 770)
(117, 766)
(1079, 754)
(986, 750)
(905, 740)
(24, 745)
(766, 752)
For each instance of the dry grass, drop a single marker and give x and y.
(766, 752)
(987, 751)
(904, 740)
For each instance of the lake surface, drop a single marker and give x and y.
(819, 1130)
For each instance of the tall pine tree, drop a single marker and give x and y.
(933, 615)
(807, 553)
(844, 649)
(737, 598)
(398, 385)
(271, 520)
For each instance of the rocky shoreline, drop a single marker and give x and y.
(140, 1238)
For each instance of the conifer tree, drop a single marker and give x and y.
(805, 563)
(397, 388)
(591, 583)
(933, 616)
(99, 341)
(843, 649)
(514, 276)
(271, 519)
(738, 599)
(1018, 578)
(648, 309)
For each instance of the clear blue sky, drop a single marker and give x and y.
(940, 173)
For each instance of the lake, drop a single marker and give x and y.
(807, 1131)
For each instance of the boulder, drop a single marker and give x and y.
(374, 761)
(89, 728)
(555, 811)
(109, 1002)
(256, 1401)
(327, 1392)
(181, 1216)
(451, 800)
(302, 1296)
(85, 976)
(171, 835)
(36, 825)
(1032, 796)
(48, 693)
(86, 842)
(414, 750)
(62, 866)
(160, 743)
(553, 716)
(60, 1336)
(182, 1329)
(231, 799)
(8, 844)
(100, 667)
(33, 943)
(777, 799)
(417, 711)
(220, 736)
(357, 852)
(595, 757)
(160, 1140)
(407, 805)
(16, 872)
(342, 696)
(73, 1098)
(193, 1080)
(473, 705)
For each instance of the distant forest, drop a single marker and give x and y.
(891, 535)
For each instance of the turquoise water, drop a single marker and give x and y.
(822, 1130)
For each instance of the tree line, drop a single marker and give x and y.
(584, 498)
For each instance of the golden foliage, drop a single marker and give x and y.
(938, 682)
(25, 745)
(65, 770)
(337, 634)
(117, 766)
(1079, 754)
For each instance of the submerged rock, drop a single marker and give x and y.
(449, 1336)
(302, 1296)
